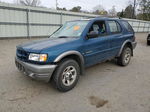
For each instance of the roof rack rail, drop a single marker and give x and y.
(117, 17)
(100, 17)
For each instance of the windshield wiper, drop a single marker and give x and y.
(63, 37)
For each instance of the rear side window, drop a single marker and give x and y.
(114, 27)
(127, 26)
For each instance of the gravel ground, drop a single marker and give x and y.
(106, 87)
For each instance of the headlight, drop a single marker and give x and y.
(38, 57)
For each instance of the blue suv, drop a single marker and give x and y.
(63, 56)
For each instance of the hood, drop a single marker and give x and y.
(39, 45)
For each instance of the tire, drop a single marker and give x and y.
(66, 75)
(125, 57)
(148, 42)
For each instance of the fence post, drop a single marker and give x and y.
(143, 27)
(138, 27)
(149, 28)
(28, 24)
(61, 18)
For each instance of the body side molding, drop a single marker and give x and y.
(69, 53)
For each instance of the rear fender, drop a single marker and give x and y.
(123, 45)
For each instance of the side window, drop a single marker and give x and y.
(100, 27)
(114, 27)
(127, 26)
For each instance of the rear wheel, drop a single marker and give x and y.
(125, 56)
(66, 75)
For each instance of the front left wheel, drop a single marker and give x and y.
(66, 75)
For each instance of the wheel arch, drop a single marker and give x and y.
(77, 56)
(126, 43)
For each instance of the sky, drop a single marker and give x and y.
(85, 4)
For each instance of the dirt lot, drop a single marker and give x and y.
(106, 87)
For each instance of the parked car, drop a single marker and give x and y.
(148, 39)
(63, 57)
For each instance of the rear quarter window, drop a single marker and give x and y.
(114, 26)
(127, 26)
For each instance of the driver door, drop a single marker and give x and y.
(96, 49)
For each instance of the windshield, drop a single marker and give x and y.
(71, 29)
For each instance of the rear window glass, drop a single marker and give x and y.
(114, 27)
(127, 26)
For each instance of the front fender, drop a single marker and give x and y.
(61, 56)
(68, 53)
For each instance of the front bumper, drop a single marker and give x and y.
(38, 72)
(134, 44)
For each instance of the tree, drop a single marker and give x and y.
(121, 14)
(113, 12)
(99, 9)
(33, 3)
(129, 12)
(134, 4)
(76, 9)
(144, 10)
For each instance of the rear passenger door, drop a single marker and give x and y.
(115, 37)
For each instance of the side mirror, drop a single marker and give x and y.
(93, 34)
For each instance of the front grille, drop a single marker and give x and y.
(22, 55)
(19, 66)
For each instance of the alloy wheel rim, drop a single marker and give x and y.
(127, 56)
(69, 75)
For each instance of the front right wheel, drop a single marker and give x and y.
(125, 56)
